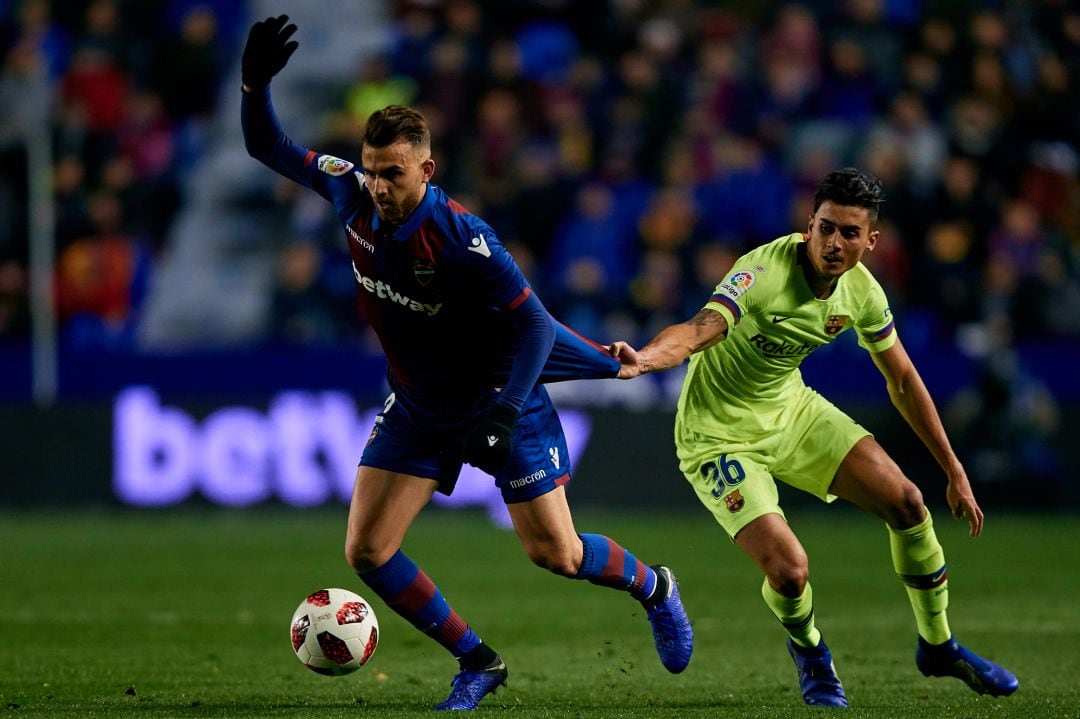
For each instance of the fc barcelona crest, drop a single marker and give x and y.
(734, 501)
(424, 272)
(835, 323)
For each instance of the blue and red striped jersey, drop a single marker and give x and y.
(440, 290)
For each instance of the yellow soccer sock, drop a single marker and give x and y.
(796, 614)
(920, 563)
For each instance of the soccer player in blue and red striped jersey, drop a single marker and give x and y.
(468, 345)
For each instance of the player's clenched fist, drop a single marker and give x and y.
(487, 445)
(267, 51)
(628, 357)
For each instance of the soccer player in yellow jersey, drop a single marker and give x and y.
(745, 417)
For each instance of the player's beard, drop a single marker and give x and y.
(394, 212)
(390, 213)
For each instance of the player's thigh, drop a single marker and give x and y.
(816, 439)
(869, 478)
(384, 505)
(733, 481)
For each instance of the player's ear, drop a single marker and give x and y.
(871, 240)
(427, 168)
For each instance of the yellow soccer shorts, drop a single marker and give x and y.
(736, 479)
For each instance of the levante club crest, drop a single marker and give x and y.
(424, 271)
(734, 501)
(835, 323)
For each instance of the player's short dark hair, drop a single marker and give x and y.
(853, 188)
(394, 123)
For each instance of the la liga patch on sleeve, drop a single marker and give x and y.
(334, 165)
(738, 283)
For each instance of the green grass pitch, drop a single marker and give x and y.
(185, 614)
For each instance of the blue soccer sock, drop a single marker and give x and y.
(408, 591)
(607, 564)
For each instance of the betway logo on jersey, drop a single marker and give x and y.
(771, 348)
(385, 292)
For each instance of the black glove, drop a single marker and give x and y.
(267, 50)
(488, 444)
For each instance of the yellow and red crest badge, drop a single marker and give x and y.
(734, 501)
(835, 323)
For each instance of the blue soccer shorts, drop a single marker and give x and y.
(413, 442)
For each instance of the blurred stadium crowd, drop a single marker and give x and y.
(626, 151)
(133, 86)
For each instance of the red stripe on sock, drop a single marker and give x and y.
(639, 577)
(452, 630)
(616, 559)
(415, 596)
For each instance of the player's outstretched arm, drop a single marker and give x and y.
(911, 398)
(267, 51)
(672, 346)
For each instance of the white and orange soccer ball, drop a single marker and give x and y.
(334, 631)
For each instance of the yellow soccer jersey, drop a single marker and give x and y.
(737, 388)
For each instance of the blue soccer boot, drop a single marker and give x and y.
(951, 659)
(472, 685)
(817, 675)
(671, 628)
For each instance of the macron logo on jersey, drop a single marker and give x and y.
(384, 292)
(360, 240)
(479, 246)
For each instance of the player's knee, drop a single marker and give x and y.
(790, 580)
(364, 556)
(788, 572)
(907, 508)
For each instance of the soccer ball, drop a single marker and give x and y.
(334, 631)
